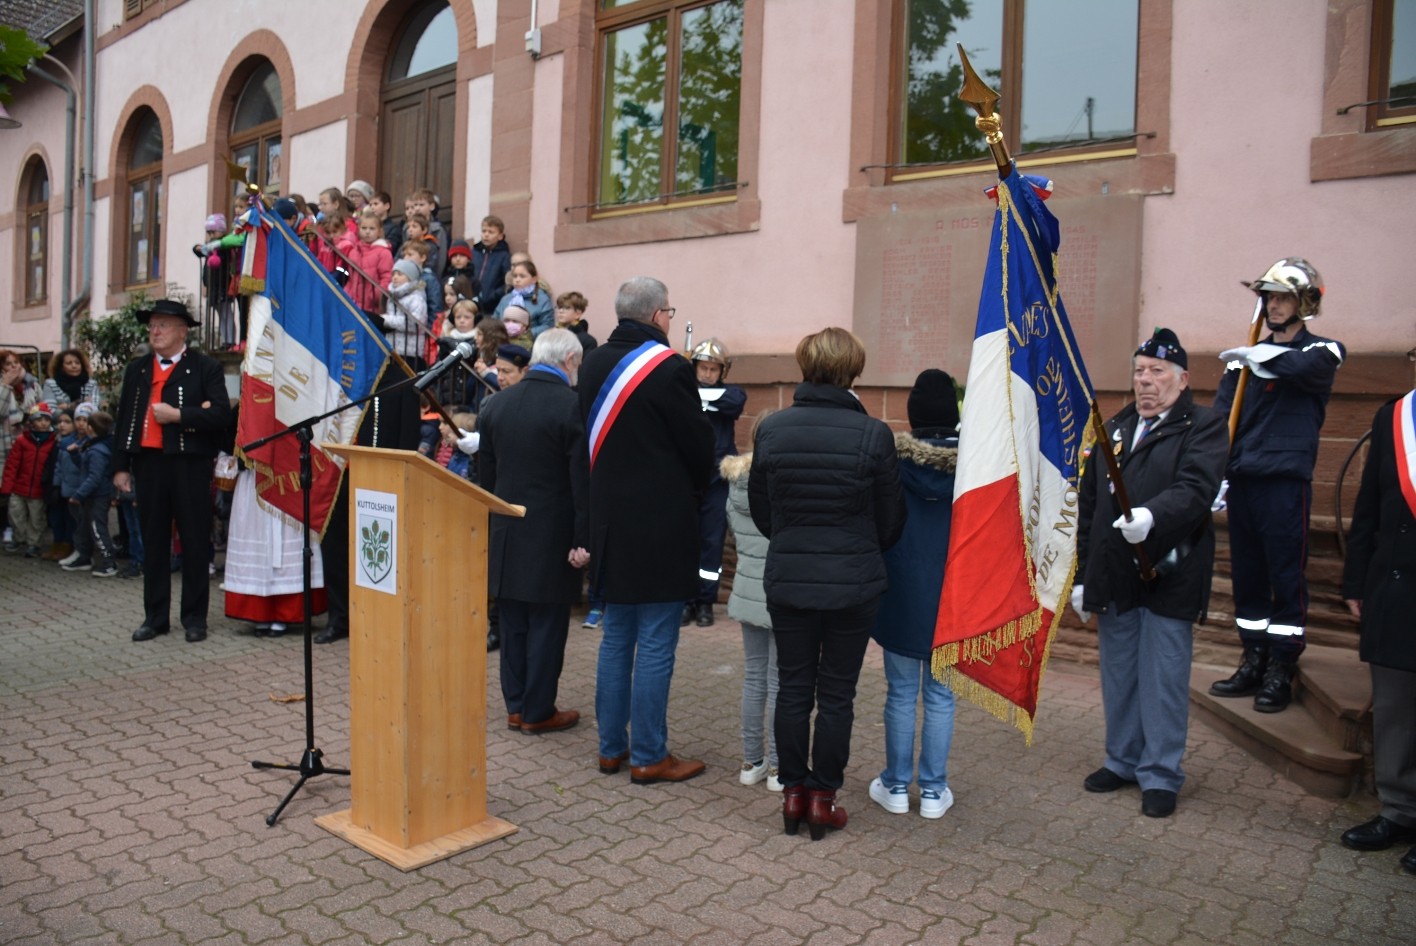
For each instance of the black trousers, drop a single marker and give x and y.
(712, 529)
(532, 654)
(174, 489)
(334, 556)
(1394, 742)
(1268, 543)
(819, 654)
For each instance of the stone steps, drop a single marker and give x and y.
(1322, 741)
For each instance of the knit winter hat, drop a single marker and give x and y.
(516, 313)
(41, 409)
(459, 248)
(408, 268)
(1166, 346)
(363, 187)
(934, 401)
(216, 223)
(84, 408)
(285, 208)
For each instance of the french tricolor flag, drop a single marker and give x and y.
(1023, 437)
(308, 349)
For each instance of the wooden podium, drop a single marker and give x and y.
(417, 660)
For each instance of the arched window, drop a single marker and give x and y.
(144, 200)
(255, 129)
(418, 107)
(35, 201)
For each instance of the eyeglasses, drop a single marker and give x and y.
(670, 311)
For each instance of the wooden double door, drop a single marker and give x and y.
(416, 138)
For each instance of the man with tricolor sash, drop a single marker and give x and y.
(1379, 585)
(651, 455)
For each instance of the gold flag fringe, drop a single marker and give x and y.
(252, 284)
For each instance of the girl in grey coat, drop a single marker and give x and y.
(748, 604)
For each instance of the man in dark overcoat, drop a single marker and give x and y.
(1171, 454)
(533, 454)
(173, 412)
(651, 455)
(1379, 585)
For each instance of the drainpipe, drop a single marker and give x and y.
(68, 261)
(86, 165)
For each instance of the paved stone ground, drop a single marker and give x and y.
(129, 814)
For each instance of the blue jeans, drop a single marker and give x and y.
(906, 677)
(636, 666)
(1145, 695)
(759, 693)
(129, 511)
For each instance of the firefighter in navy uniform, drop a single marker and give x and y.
(1269, 478)
(722, 405)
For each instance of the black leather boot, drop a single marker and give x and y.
(1277, 691)
(1248, 678)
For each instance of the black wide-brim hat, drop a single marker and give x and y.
(167, 307)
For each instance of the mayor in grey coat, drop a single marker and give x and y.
(1171, 454)
(533, 454)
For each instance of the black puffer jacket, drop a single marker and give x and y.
(825, 490)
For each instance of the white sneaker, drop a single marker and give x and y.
(774, 781)
(752, 772)
(933, 804)
(895, 800)
(70, 559)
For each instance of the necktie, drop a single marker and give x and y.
(1146, 424)
(166, 362)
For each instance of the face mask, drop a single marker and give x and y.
(513, 329)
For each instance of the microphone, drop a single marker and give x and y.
(463, 350)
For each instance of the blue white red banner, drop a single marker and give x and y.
(308, 350)
(1024, 432)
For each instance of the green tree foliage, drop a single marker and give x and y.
(17, 51)
(938, 127)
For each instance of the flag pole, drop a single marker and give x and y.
(984, 101)
(1255, 326)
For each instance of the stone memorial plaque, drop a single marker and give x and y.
(918, 276)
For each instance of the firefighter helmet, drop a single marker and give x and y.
(710, 349)
(1295, 275)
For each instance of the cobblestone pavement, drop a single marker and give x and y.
(129, 814)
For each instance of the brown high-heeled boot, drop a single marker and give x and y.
(793, 807)
(823, 813)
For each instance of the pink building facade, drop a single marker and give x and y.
(1238, 147)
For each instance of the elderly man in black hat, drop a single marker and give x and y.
(172, 414)
(1171, 453)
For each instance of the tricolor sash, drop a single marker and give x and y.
(623, 381)
(1403, 430)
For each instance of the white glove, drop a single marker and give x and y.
(468, 443)
(1138, 527)
(1077, 593)
(1220, 504)
(212, 247)
(1242, 353)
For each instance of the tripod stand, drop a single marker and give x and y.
(311, 761)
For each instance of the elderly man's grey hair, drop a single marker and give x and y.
(639, 298)
(554, 346)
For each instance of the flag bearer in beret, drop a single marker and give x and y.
(1270, 477)
(172, 414)
(1171, 454)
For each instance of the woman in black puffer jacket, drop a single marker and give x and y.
(825, 490)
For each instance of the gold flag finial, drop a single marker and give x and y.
(984, 101)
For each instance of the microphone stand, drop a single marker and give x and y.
(311, 764)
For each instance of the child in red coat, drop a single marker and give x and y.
(24, 480)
